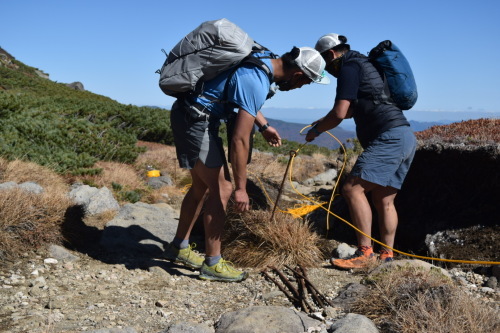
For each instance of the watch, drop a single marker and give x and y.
(315, 130)
(263, 128)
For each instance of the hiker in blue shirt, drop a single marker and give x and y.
(386, 137)
(195, 125)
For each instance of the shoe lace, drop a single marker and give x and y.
(225, 265)
(365, 248)
(360, 252)
(386, 252)
(192, 246)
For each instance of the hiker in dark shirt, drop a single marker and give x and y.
(387, 140)
(195, 123)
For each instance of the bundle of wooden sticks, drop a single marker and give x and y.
(302, 295)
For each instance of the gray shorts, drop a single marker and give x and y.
(196, 137)
(387, 159)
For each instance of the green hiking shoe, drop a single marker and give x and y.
(184, 256)
(222, 271)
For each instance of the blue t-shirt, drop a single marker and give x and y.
(248, 89)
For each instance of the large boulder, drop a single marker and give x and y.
(353, 323)
(93, 200)
(265, 319)
(141, 229)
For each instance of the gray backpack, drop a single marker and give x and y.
(211, 48)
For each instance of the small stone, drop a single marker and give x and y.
(161, 303)
(487, 290)
(50, 261)
(492, 282)
(317, 315)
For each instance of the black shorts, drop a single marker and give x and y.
(196, 137)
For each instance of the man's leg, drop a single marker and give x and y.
(191, 206)
(179, 250)
(219, 191)
(383, 200)
(354, 191)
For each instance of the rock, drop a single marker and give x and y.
(50, 261)
(42, 74)
(349, 295)
(344, 251)
(31, 187)
(325, 178)
(487, 290)
(408, 263)
(141, 229)
(76, 85)
(93, 200)
(186, 327)
(272, 294)
(159, 182)
(353, 323)
(114, 330)
(8, 185)
(265, 319)
(60, 253)
(303, 189)
(492, 282)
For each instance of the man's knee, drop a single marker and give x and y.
(350, 190)
(226, 189)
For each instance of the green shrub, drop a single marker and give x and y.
(69, 130)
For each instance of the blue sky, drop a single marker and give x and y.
(114, 47)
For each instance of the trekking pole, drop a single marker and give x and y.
(293, 153)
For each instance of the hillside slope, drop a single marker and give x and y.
(67, 129)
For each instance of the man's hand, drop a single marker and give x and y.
(313, 131)
(272, 136)
(242, 202)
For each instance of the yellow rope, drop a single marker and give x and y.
(303, 209)
(185, 189)
(318, 204)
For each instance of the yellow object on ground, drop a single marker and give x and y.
(153, 173)
(303, 210)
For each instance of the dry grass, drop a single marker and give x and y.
(412, 300)
(470, 131)
(20, 171)
(252, 240)
(163, 158)
(133, 177)
(118, 173)
(273, 168)
(30, 220)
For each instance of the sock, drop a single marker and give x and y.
(180, 243)
(210, 261)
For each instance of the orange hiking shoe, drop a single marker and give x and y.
(363, 257)
(386, 255)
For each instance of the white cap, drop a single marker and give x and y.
(312, 64)
(327, 42)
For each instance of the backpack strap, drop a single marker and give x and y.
(250, 59)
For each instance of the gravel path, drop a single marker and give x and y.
(40, 294)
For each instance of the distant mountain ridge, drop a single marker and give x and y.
(291, 131)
